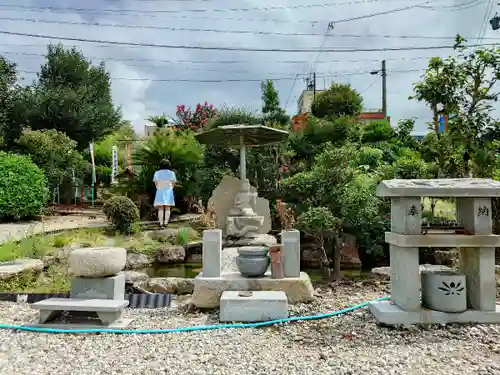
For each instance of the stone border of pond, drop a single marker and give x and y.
(136, 301)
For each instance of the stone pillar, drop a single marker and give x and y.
(478, 264)
(212, 248)
(405, 277)
(291, 253)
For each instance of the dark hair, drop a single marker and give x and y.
(165, 164)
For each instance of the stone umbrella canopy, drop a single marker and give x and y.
(242, 136)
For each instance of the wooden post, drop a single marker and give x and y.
(276, 264)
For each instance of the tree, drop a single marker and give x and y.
(72, 96)
(377, 131)
(271, 109)
(465, 87)
(339, 100)
(160, 121)
(187, 119)
(8, 78)
(103, 151)
(183, 151)
(334, 183)
(55, 153)
(403, 136)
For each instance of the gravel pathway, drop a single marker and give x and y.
(352, 344)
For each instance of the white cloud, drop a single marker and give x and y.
(142, 98)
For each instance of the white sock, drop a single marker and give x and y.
(160, 215)
(167, 216)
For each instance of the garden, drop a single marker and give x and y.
(321, 180)
(66, 152)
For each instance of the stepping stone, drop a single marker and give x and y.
(255, 306)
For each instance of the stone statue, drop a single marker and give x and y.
(244, 202)
(244, 226)
(242, 220)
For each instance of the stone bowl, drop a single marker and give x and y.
(253, 261)
(444, 291)
(97, 261)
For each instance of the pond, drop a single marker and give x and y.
(190, 270)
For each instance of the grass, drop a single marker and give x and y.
(38, 246)
(56, 277)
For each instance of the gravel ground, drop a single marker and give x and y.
(351, 344)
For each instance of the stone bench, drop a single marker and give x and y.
(255, 306)
(108, 311)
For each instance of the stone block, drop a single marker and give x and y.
(207, 290)
(478, 265)
(406, 216)
(212, 249)
(444, 187)
(99, 288)
(175, 285)
(440, 240)
(475, 215)
(389, 314)
(260, 240)
(290, 253)
(97, 261)
(405, 277)
(9, 270)
(223, 199)
(253, 306)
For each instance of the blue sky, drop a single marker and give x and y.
(136, 70)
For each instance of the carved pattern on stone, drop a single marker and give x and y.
(413, 210)
(453, 288)
(483, 211)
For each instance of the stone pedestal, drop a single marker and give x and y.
(290, 253)
(212, 248)
(208, 290)
(477, 247)
(253, 306)
(99, 288)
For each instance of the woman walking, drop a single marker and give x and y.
(164, 179)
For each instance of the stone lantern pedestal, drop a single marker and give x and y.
(477, 254)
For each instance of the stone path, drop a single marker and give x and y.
(18, 231)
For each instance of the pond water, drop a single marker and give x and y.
(191, 270)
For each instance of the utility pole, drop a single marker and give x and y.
(384, 89)
(314, 86)
(383, 73)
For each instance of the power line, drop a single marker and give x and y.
(484, 24)
(259, 32)
(330, 26)
(456, 7)
(215, 61)
(291, 90)
(242, 49)
(170, 11)
(339, 74)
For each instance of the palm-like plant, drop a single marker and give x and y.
(160, 121)
(183, 151)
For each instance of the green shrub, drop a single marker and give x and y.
(23, 187)
(122, 212)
